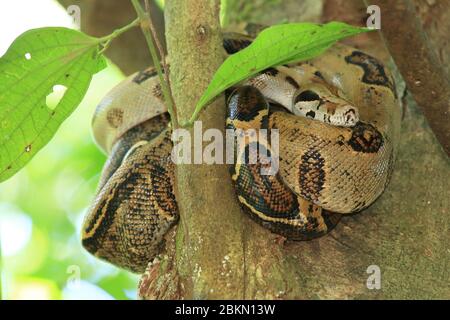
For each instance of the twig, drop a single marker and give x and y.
(147, 6)
(106, 41)
(160, 50)
(145, 26)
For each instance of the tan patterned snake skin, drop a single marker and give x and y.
(336, 152)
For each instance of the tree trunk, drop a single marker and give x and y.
(209, 260)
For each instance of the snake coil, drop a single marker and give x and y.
(337, 127)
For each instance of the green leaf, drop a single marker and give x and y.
(37, 62)
(276, 45)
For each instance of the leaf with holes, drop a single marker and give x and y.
(44, 75)
(276, 45)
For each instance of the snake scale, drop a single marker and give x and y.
(338, 122)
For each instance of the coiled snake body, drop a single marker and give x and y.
(337, 117)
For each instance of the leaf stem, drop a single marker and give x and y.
(106, 40)
(145, 23)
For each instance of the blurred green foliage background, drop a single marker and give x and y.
(43, 206)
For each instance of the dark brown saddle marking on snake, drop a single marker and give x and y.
(374, 72)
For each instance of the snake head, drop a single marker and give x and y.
(323, 102)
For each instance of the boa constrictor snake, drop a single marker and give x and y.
(338, 121)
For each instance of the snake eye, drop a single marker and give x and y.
(307, 95)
